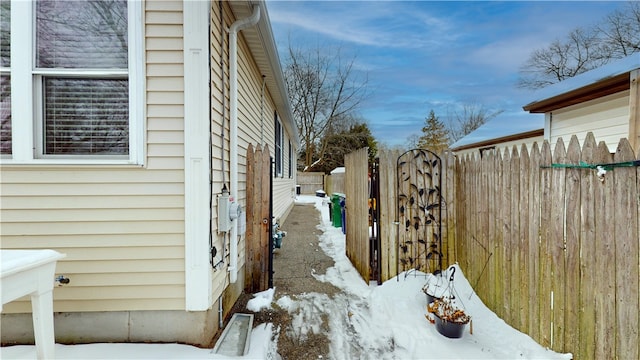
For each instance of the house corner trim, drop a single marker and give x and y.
(198, 284)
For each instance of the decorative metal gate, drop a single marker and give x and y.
(419, 211)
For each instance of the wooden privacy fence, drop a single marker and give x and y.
(548, 241)
(257, 255)
(309, 182)
(357, 191)
(334, 183)
(552, 247)
(357, 211)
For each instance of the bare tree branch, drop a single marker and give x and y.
(584, 49)
(324, 91)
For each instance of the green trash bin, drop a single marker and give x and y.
(336, 211)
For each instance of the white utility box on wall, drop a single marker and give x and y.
(228, 211)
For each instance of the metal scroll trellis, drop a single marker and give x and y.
(419, 211)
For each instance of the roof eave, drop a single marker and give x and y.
(496, 141)
(603, 87)
(263, 48)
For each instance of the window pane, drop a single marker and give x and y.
(5, 114)
(278, 147)
(290, 160)
(82, 34)
(86, 116)
(5, 33)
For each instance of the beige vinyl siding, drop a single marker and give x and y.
(122, 227)
(256, 126)
(220, 278)
(284, 188)
(606, 117)
(165, 143)
(249, 122)
(283, 195)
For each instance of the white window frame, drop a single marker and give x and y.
(26, 93)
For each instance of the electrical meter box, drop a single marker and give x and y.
(228, 211)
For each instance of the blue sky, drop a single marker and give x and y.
(428, 55)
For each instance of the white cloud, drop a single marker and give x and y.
(377, 24)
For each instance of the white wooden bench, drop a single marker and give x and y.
(31, 272)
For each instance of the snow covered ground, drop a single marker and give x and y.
(367, 322)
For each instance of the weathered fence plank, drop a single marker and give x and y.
(387, 215)
(505, 225)
(626, 253)
(465, 216)
(257, 209)
(557, 247)
(638, 197)
(522, 242)
(588, 290)
(533, 259)
(258, 216)
(449, 196)
(252, 226)
(489, 166)
(265, 183)
(605, 248)
(545, 248)
(499, 239)
(357, 214)
(514, 240)
(572, 245)
(472, 241)
(482, 235)
(461, 211)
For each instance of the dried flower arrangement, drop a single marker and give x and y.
(443, 309)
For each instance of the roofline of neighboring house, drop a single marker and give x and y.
(604, 87)
(608, 79)
(263, 47)
(513, 137)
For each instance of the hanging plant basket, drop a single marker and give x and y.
(450, 329)
(435, 288)
(442, 309)
(450, 321)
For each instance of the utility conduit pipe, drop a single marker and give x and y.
(233, 123)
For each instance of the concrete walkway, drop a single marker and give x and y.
(301, 255)
(293, 266)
